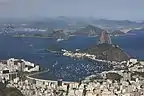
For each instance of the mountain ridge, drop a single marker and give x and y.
(89, 30)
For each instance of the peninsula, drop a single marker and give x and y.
(109, 52)
(104, 50)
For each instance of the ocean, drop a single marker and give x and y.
(61, 67)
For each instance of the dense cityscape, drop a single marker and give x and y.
(125, 82)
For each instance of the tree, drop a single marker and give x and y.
(67, 92)
(113, 76)
(4, 91)
(80, 82)
(84, 91)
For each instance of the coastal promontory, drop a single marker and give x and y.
(105, 50)
(109, 52)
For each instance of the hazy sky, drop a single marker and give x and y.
(110, 9)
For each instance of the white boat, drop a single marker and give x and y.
(77, 49)
(31, 45)
(60, 39)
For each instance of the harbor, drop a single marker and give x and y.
(68, 69)
(107, 83)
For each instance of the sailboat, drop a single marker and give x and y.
(55, 63)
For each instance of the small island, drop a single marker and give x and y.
(59, 35)
(32, 36)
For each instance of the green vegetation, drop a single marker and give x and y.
(4, 91)
(89, 30)
(108, 52)
(53, 48)
(138, 73)
(13, 92)
(95, 78)
(113, 76)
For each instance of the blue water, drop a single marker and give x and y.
(32, 49)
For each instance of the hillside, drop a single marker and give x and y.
(59, 34)
(4, 91)
(108, 52)
(89, 31)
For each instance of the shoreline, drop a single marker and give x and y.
(30, 36)
(87, 56)
(45, 80)
(36, 73)
(69, 36)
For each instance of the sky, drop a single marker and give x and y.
(108, 9)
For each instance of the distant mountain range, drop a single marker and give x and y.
(115, 22)
(79, 26)
(102, 22)
(59, 34)
(117, 33)
(68, 22)
(89, 31)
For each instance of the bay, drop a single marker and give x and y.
(33, 50)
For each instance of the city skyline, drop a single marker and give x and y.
(112, 9)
